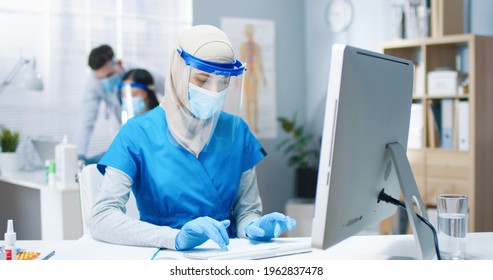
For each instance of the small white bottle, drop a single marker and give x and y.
(66, 164)
(10, 239)
(51, 173)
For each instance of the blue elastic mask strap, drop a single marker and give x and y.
(224, 69)
(134, 85)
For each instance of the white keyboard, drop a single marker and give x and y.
(254, 251)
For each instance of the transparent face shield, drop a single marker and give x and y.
(133, 100)
(211, 102)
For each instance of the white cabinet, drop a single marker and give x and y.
(39, 212)
(300, 209)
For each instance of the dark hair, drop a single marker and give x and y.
(144, 77)
(99, 56)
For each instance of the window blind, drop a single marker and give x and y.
(60, 34)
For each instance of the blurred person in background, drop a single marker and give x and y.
(102, 86)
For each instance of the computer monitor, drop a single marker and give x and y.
(363, 151)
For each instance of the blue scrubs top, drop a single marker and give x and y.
(171, 185)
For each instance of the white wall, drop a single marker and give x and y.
(481, 18)
(369, 27)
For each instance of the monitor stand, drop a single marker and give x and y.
(423, 235)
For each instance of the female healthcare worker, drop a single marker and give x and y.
(137, 93)
(137, 96)
(189, 162)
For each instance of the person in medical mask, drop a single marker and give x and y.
(102, 87)
(190, 162)
(137, 93)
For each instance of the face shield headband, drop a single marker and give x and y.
(224, 69)
(134, 85)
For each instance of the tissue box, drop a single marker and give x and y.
(442, 83)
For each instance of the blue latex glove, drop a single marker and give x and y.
(200, 230)
(269, 226)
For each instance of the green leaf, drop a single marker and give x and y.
(282, 143)
(294, 160)
(298, 132)
(288, 126)
(299, 146)
(305, 140)
(9, 140)
(290, 148)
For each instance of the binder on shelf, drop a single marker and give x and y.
(416, 16)
(456, 125)
(447, 127)
(463, 125)
(419, 80)
(415, 139)
(434, 124)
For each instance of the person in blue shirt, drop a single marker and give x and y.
(189, 162)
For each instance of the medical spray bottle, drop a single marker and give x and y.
(10, 238)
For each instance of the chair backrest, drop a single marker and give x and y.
(89, 182)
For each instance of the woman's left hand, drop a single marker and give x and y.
(269, 226)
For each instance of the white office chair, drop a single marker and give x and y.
(89, 181)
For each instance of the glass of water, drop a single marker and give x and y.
(452, 226)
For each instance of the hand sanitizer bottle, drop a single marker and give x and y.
(66, 164)
(10, 238)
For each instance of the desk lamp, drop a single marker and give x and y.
(29, 79)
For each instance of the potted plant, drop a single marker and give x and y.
(9, 160)
(303, 154)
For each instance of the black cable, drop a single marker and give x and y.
(387, 198)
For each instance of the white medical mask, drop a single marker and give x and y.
(138, 103)
(110, 84)
(205, 103)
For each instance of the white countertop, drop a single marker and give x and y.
(32, 179)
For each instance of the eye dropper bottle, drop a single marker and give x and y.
(10, 238)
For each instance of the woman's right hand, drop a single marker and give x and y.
(198, 231)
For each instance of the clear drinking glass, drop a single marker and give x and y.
(452, 226)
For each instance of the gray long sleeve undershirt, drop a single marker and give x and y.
(109, 223)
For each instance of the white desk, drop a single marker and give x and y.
(371, 247)
(479, 246)
(38, 211)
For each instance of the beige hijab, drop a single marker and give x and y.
(205, 42)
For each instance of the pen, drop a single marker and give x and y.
(49, 255)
